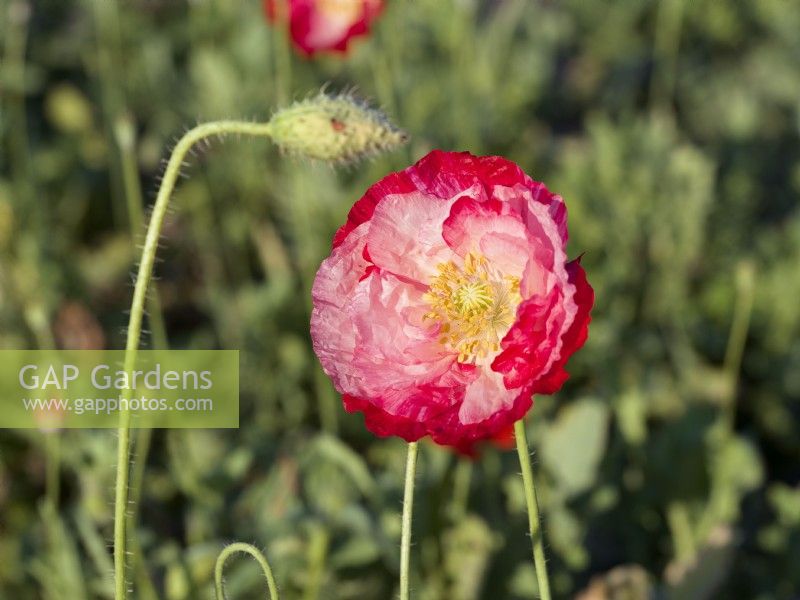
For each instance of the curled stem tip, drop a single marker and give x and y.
(334, 128)
(144, 275)
(255, 553)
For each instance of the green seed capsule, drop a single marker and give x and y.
(334, 129)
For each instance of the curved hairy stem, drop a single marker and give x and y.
(171, 174)
(255, 553)
(408, 509)
(533, 510)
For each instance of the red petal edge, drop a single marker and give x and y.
(516, 357)
(443, 174)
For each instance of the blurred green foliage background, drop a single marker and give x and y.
(669, 464)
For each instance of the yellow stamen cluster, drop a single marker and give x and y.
(475, 305)
(350, 10)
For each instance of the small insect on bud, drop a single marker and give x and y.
(336, 129)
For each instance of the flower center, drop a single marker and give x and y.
(475, 305)
(348, 11)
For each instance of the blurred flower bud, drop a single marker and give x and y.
(76, 328)
(68, 109)
(50, 418)
(334, 128)
(6, 221)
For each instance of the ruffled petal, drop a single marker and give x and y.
(362, 211)
(405, 236)
(448, 174)
(383, 423)
(490, 228)
(332, 331)
(465, 437)
(484, 397)
(577, 333)
(395, 348)
(548, 330)
(435, 411)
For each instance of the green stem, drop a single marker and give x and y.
(745, 292)
(32, 215)
(408, 509)
(16, 41)
(171, 174)
(718, 509)
(461, 484)
(120, 506)
(302, 213)
(282, 46)
(682, 532)
(391, 52)
(464, 57)
(317, 554)
(141, 447)
(666, 48)
(53, 451)
(255, 553)
(108, 65)
(533, 510)
(125, 136)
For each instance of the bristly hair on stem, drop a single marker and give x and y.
(256, 554)
(336, 128)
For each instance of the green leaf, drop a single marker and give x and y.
(573, 446)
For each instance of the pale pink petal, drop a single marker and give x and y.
(491, 229)
(484, 397)
(405, 235)
(332, 330)
(395, 347)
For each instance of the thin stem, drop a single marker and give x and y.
(461, 484)
(283, 53)
(667, 45)
(734, 353)
(682, 532)
(723, 432)
(317, 555)
(16, 41)
(107, 36)
(252, 551)
(121, 130)
(125, 136)
(533, 510)
(464, 57)
(141, 447)
(120, 506)
(408, 509)
(391, 49)
(302, 213)
(33, 215)
(171, 174)
(53, 454)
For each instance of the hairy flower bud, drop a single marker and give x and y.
(337, 128)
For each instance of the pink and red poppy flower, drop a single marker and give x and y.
(324, 25)
(448, 300)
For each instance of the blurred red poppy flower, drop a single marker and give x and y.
(324, 25)
(448, 300)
